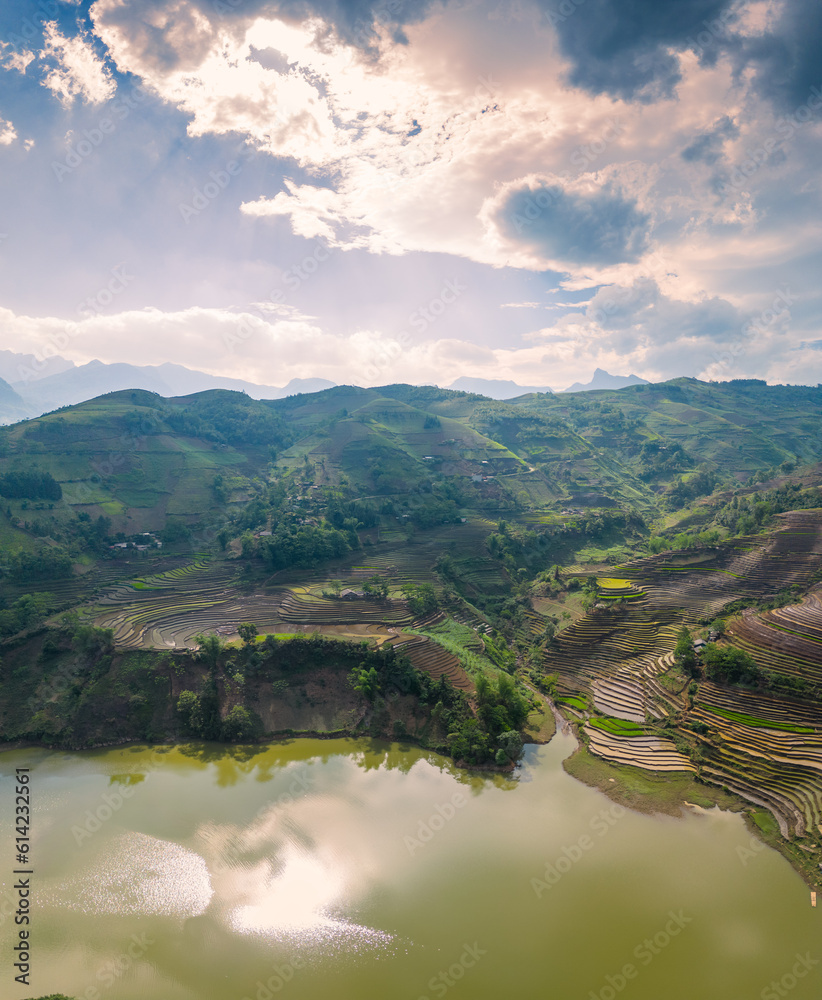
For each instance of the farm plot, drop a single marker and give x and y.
(302, 607)
(427, 655)
(767, 749)
(167, 609)
(648, 752)
(786, 640)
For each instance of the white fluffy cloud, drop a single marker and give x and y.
(75, 70)
(619, 329)
(8, 133)
(429, 146)
(681, 199)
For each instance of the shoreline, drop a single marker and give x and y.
(670, 793)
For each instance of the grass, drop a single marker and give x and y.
(646, 791)
(617, 727)
(455, 638)
(579, 702)
(754, 721)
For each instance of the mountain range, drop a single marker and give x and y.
(30, 387)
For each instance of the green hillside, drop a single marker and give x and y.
(158, 554)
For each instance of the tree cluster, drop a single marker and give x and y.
(33, 485)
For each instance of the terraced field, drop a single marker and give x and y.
(648, 752)
(168, 610)
(429, 656)
(302, 607)
(786, 640)
(765, 747)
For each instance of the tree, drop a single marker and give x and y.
(510, 744)
(209, 649)
(422, 600)
(238, 724)
(728, 665)
(190, 711)
(365, 680)
(248, 633)
(484, 692)
(685, 654)
(375, 586)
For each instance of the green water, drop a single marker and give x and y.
(324, 869)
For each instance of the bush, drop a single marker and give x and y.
(728, 665)
(239, 725)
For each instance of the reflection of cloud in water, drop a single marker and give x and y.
(141, 875)
(294, 901)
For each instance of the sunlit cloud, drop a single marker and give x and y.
(76, 71)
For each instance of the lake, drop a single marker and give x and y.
(364, 871)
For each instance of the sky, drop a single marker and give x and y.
(414, 191)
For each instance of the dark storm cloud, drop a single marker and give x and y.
(630, 50)
(789, 60)
(596, 228)
(622, 48)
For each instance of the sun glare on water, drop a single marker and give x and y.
(297, 902)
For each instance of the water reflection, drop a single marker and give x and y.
(294, 900)
(139, 875)
(340, 864)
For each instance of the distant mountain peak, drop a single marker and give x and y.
(604, 380)
(495, 388)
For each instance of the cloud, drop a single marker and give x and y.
(8, 133)
(787, 53)
(629, 50)
(636, 327)
(708, 146)
(417, 147)
(633, 51)
(16, 60)
(636, 146)
(582, 224)
(313, 211)
(76, 70)
(641, 315)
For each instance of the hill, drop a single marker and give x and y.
(547, 544)
(149, 463)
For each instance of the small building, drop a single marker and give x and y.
(351, 595)
(699, 645)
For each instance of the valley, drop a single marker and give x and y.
(436, 566)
